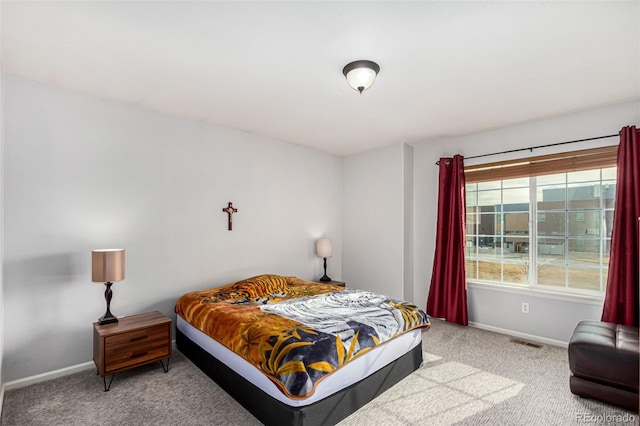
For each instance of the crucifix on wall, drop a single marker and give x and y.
(229, 210)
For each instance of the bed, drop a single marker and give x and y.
(295, 352)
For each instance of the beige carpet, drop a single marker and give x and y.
(469, 377)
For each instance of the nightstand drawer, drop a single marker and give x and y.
(132, 355)
(133, 338)
(136, 347)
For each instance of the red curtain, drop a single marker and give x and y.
(621, 299)
(448, 291)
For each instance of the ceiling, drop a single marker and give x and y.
(275, 68)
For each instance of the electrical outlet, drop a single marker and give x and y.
(525, 308)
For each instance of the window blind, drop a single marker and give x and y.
(586, 159)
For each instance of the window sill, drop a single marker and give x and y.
(547, 294)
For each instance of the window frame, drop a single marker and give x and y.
(590, 159)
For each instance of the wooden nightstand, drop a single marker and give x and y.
(131, 342)
(339, 283)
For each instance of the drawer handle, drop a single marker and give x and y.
(136, 339)
(139, 354)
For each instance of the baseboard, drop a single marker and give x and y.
(43, 377)
(50, 375)
(1, 399)
(526, 336)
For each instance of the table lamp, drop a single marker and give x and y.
(323, 249)
(107, 266)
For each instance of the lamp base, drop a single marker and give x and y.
(325, 277)
(107, 319)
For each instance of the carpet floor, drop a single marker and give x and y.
(469, 377)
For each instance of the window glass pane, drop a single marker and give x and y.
(471, 269)
(517, 225)
(608, 223)
(499, 228)
(584, 176)
(551, 197)
(583, 196)
(471, 256)
(559, 178)
(609, 173)
(487, 242)
(489, 259)
(472, 224)
(584, 278)
(552, 225)
(519, 196)
(516, 183)
(549, 274)
(489, 185)
(609, 193)
(516, 208)
(471, 199)
(551, 250)
(585, 224)
(489, 224)
(516, 269)
(584, 252)
(489, 271)
(551, 269)
(471, 187)
(489, 198)
(470, 246)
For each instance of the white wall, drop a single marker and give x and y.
(550, 318)
(84, 173)
(374, 220)
(1, 226)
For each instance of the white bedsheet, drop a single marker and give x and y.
(354, 371)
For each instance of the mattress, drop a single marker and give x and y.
(349, 374)
(296, 332)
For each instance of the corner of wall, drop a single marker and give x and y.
(1, 226)
(408, 219)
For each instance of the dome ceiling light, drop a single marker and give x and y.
(361, 74)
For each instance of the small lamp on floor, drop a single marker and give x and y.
(107, 266)
(324, 250)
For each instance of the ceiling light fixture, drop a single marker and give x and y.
(361, 74)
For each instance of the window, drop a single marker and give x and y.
(569, 238)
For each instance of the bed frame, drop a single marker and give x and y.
(327, 411)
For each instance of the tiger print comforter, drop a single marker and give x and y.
(297, 332)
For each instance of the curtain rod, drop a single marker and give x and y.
(536, 147)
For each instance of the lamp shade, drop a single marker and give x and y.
(361, 74)
(323, 248)
(107, 265)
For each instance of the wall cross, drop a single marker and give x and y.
(229, 210)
